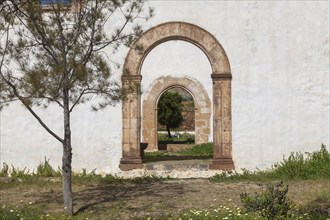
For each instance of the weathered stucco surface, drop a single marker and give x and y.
(279, 58)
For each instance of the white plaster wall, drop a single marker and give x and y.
(96, 138)
(279, 56)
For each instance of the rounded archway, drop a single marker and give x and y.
(221, 78)
(149, 108)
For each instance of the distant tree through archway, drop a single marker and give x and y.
(175, 107)
(202, 108)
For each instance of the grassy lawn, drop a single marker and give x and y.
(307, 176)
(156, 199)
(199, 151)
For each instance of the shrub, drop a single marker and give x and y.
(180, 138)
(314, 165)
(271, 203)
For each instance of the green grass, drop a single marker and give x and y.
(29, 212)
(297, 166)
(205, 149)
(318, 207)
(23, 177)
(201, 151)
(228, 211)
(25, 212)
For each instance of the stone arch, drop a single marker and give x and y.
(149, 108)
(221, 78)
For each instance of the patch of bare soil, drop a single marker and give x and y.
(155, 198)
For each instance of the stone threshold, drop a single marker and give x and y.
(183, 165)
(181, 169)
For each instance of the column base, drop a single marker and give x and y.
(222, 164)
(128, 163)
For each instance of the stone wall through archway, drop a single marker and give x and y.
(149, 108)
(221, 80)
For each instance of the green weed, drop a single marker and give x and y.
(314, 165)
(18, 173)
(272, 203)
(46, 170)
(308, 166)
(93, 178)
(85, 177)
(4, 171)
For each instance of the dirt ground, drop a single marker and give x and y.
(155, 198)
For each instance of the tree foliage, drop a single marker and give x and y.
(63, 48)
(170, 110)
(57, 55)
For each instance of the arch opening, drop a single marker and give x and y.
(202, 108)
(176, 58)
(175, 117)
(221, 90)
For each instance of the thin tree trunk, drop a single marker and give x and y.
(67, 157)
(168, 132)
(66, 180)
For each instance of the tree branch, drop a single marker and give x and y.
(77, 101)
(13, 87)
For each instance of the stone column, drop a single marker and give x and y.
(131, 158)
(222, 128)
(149, 128)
